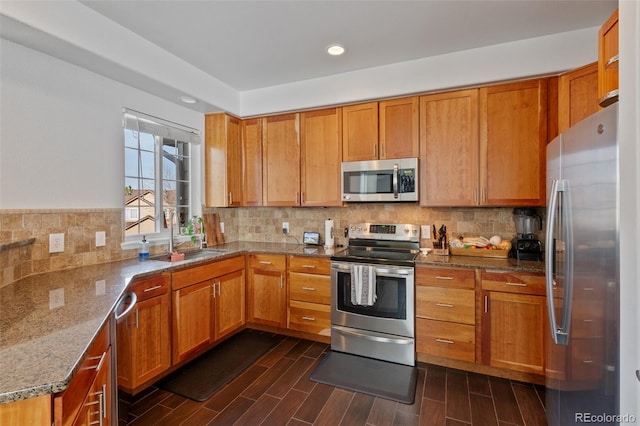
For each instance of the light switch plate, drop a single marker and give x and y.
(56, 243)
(101, 239)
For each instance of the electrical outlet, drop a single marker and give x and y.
(285, 227)
(222, 227)
(56, 243)
(101, 239)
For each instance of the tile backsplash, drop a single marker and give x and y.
(264, 224)
(31, 229)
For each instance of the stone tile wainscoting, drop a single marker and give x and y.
(264, 224)
(79, 228)
(260, 224)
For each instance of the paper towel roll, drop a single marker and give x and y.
(328, 233)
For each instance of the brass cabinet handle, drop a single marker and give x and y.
(447, 341)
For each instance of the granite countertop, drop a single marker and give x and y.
(492, 263)
(48, 321)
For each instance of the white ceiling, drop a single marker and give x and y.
(241, 56)
(255, 44)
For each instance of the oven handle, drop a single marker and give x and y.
(350, 332)
(385, 272)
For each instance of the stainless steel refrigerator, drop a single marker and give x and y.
(582, 271)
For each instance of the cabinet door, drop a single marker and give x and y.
(513, 331)
(281, 161)
(449, 150)
(230, 303)
(399, 128)
(192, 319)
(607, 60)
(513, 140)
(577, 95)
(144, 342)
(223, 161)
(360, 132)
(252, 171)
(321, 155)
(267, 297)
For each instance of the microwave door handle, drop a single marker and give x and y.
(395, 181)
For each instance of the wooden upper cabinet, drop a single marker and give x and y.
(320, 155)
(223, 161)
(381, 130)
(577, 95)
(360, 132)
(449, 149)
(399, 122)
(252, 172)
(513, 139)
(608, 61)
(281, 160)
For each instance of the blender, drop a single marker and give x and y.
(526, 246)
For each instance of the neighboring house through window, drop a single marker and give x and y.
(156, 175)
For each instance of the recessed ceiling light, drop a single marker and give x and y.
(335, 50)
(187, 99)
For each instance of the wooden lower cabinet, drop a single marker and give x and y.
(87, 399)
(445, 312)
(144, 337)
(32, 411)
(208, 304)
(310, 295)
(514, 321)
(267, 292)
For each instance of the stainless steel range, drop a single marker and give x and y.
(373, 293)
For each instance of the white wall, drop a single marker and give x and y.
(61, 141)
(629, 15)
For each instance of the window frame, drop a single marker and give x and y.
(180, 139)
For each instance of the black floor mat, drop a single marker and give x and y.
(202, 377)
(365, 375)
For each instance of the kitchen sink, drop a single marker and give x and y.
(193, 254)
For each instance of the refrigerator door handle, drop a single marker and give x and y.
(560, 333)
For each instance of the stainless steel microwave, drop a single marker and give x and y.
(380, 180)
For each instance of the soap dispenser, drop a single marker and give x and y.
(143, 251)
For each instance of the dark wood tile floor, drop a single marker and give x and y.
(276, 391)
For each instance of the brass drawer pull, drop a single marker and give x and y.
(309, 266)
(265, 262)
(152, 288)
(444, 305)
(447, 341)
(308, 318)
(443, 278)
(516, 284)
(309, 288)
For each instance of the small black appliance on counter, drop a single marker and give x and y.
(526, 246)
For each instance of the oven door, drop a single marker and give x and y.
(393, 311)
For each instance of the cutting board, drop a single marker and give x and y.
(215, 236)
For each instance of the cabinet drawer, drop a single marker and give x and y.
(68, 403)
(445, 339)
(268, 261)
(310, 288)
(197, 274)
(146, 288)
(450, 277)
(310, 265)
(446, 304)
(511, 282)
(309, 317)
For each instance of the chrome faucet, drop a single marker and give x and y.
(172, 215)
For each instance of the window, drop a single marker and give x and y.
(156, 174)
